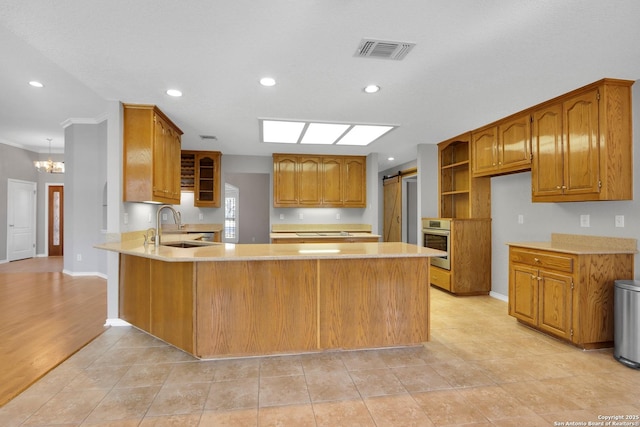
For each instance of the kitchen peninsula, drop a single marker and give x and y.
(222, 300)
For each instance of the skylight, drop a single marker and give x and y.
(299, 132)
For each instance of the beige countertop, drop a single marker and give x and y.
(320, 235)
(260, 252)
(582, 244)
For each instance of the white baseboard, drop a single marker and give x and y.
(499, 296)
(116, 322)
(84, 273)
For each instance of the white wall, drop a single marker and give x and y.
(85, 176)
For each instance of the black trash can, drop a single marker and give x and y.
(626, 322)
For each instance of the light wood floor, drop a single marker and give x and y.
(45, 317)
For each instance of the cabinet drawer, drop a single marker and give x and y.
(543, 259)
(441, 278)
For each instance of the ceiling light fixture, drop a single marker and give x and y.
(174, 92)
(372, 89)
(267, 81)
(363, 134)
(49, 166)
(35, 83)
(301, 132)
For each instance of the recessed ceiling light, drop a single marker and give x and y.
(302, 132)
(281, 131)
(174, 92)
(372, 88)
(267, 81)
(391, 158)
(363, 134)
(35, 83)
(323, 133)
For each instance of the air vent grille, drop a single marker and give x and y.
(383, 49)
(212, 137)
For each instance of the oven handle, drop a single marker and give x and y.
(436, 232)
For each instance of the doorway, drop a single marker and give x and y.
(410, 218)
(251, 214)
(21, 219)
(55, 220)
(392, 209)
(400, 212)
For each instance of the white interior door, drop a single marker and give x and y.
(21, 220)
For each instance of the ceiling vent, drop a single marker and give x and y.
(383, 49)
(211, 137)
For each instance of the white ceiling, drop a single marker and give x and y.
(475, 61)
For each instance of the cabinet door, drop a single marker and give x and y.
(285, 185)
(309, 181)
(581, 154)
(332, 181)
(484, 151)
(514, 144)
(354, 192)
(160, 187)
(207, 182)
(547, 169)
(555, 302)
(172, 163)
(523, 293)
(135, 288)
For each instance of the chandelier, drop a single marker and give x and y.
(49, 166)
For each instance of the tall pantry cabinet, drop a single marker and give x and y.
(466, 201)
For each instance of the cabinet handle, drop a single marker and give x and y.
(558, 187)
(564, 187)
(533, 276)
(536, 259)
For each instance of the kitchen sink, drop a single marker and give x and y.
(189, 244)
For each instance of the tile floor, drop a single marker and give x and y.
(480, 368)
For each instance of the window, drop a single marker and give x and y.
(231, 195)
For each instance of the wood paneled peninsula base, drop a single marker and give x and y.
(242, 300)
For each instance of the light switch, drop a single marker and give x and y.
(619, 220)
(520, 219)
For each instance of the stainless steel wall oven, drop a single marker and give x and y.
(437, 235)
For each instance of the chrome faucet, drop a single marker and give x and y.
(176, 217)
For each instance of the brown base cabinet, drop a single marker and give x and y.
(567, 295)
(470, 259)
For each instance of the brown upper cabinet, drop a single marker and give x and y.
(582, 145)
(502, 148)
(201, 175)
(151, 156)
(319, 181)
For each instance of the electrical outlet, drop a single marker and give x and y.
(149, 217)
(78, 257)
(520, 219)
(200, 216)
(126, 218)
(164, 217)
(337, 216)
(281, 216)
(300, 216)
(620, 221)
(584, 221)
